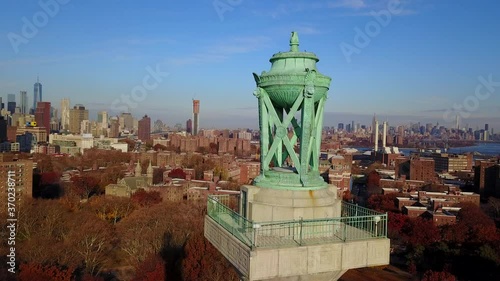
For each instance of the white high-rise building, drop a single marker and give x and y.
(375, 132)
(384, 135)
(65, 114)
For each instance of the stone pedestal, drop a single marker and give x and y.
(272, 205)
(324, 262)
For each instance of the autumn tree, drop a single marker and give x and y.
(383, 202)
(44, 162)
(43, 227)
(85, 186)
(161, 226)
(159, 147)
(420, 232)
(92, 240)
(213, 148)
(50, 178)
(130, 144)
(142, 232)
(34, 271)
(395, 224)
(347, 196)
(478, 226)
(144, 198)
(204, 262)
(111, 175)
(177, 173)
(151, 269)
(111, 209)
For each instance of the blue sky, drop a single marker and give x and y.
(422, 62)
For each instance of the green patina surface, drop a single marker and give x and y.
(293, 87)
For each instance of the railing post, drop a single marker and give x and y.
(255, 228)
(300, 231)
(345, 230)
(376, 219)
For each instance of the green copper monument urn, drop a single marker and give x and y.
(291, 98)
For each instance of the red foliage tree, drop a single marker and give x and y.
(454, 233)
(430, 275)
(347, 196)
(204, 262)
(478, 226)
(130, 144)
(151, 269)
(33, 271)
(213, 148)
(159, 147)
(385, 203)
(373, 180)
(177, 173)
(420, 232)
(396, 223)
(146, 198)
(50, 178)
(84, 186)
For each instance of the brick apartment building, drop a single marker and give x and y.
(422, 169)
(248, 172)
(487, 177)
(22, 176)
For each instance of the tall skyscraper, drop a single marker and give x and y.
(42, 116)
(114, 127)
(126, 121)
(11, 103)
(65, 114)
(23, 100)
(144, 130)
(196, 120)
(375, 132)
(76, 116)
(102, 121)
(37, 93)
(384, 134)
(189, 126)
(3, 129)
(486, 127)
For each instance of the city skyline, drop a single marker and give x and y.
(430, 68)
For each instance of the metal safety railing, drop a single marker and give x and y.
(355, 223)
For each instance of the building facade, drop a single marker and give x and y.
(144, 129)
(76, 116)
(42, 116)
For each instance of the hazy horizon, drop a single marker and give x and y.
(400, 61)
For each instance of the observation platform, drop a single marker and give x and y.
(304, 249)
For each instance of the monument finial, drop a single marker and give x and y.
(294, 42)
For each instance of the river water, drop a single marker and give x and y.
(489, 149)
